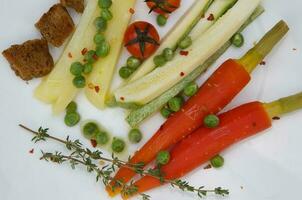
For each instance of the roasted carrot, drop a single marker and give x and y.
(223, 85)
(235, 125)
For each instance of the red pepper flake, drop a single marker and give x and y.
(31, 151)
(97, 88)
(69, 55)
(95, 57)
(182, 74)
(209, 166)
(263, 63)
(122, 98)
(276, 118)
(93, 143)
(84, 51)
(183, 53)
(211, 17)
(132, 11)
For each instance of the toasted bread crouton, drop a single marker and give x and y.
(30, 59)
(77, 5)
(56, 25)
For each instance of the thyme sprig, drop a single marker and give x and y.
(83, 156)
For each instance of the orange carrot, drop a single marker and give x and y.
(205, 143)
(225, 83)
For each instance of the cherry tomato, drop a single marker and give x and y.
(141, 39)
(163, 6)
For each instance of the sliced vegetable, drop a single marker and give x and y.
(57, 88)
(138, 115)
(163, 6)
(236, 125)
(180, 31)
(141, 39)
(153, 84)
(215, 11)
(104, 68)
(224, 84)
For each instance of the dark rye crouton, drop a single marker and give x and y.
(77, 5)
(56, 25)
(30, 59)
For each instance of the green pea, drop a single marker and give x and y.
(237, 40)
(163, 158)
(79, 81)
(211, 121)
(185, 43)
(100, 24)
(106, 14)
(161, 20)
(191, 89)
(168, 54)
(90, 130)
(166, 112)
(217, 161)
(133, 62)
(118, 145)
(102, 50)
(159, 60)
(89, 56)
(87, 68)
(71, 119)
(98, 38)
(76, 68)
(104, 3)
(125, 72)
(175, 103)
(71, 107)
(102, 137)
(135, 136)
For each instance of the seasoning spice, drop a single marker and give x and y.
(93, 143)
(132, 11)
(211, 17)
(183, 53)
(84, 51)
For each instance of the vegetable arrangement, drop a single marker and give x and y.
(157, 76)
(224, 84)
(150, 86)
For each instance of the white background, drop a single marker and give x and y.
(265, 167)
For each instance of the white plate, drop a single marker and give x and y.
(265, 167)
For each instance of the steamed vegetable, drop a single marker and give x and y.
(161, 79)
(222, 86)
(180, 31)
(138, 115)
(98, 83)
(57, 88)
(236, 125)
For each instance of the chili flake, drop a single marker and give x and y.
(93, 143)
(122, 98)
(211, 17)
(97, 88)
(69, 55)
(31, 151)
(95, 57)
(183, 53)
(182, 74)
(263, 63)
(276, 118)
(132, 11)
(84, 51)
(209, 166)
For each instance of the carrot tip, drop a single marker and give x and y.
(112, 193)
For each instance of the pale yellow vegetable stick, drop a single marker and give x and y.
(57, 88)
(104, 68)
